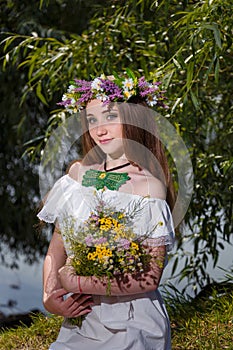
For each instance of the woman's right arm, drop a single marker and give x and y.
(125, 284)
(53, 292)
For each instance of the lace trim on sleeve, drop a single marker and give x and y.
(167, 240)
(44, 216)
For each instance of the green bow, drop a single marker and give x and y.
(101, 179)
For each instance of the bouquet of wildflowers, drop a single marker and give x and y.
(105, 244)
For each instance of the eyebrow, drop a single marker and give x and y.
(111, 111)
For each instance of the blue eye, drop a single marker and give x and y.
(91, 120)
(111, 117)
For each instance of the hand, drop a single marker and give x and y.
(72, 306)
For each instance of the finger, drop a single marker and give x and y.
(82, 302)
(82, 297)
(80, 313)
(80, 310)
(69, 260)
(80, 307)
(78, 299)
(66, 269)
(59, 292)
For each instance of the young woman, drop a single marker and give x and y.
(119, 139)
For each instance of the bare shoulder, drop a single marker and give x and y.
(146, 184)
(156, 188)
(74, 170)
(77, 170)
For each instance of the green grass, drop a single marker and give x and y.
(39, 336)
(199, 325)
(202, 324)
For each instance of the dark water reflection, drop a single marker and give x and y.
(21, 289)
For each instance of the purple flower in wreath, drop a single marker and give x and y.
(111, 89)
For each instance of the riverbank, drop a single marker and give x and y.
(204, 323)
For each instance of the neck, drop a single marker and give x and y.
(110, 164)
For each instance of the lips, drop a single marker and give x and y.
(105, 141)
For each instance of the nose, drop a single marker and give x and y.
(101, 130)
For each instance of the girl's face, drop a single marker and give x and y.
(105, 128)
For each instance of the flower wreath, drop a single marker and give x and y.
(113, 88)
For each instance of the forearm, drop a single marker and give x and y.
(125, 284)
(54, 260)
(51, 281)
(53, 297)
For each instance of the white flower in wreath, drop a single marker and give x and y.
(128, 84)
(153, 86)
(95, 85)
(102, 97)
(64, 97)
(128, 93)
(70, 89)
(152, 100)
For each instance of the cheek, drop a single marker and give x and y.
(92, 133)
(118, 130)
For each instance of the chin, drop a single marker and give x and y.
(111, 151)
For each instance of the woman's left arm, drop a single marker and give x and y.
(125, 284)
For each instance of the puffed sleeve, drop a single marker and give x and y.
(57, 202)
(156, 223)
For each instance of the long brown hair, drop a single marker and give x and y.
(142, 145)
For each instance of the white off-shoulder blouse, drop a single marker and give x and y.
(135, 322)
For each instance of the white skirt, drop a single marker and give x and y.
(138, 322)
